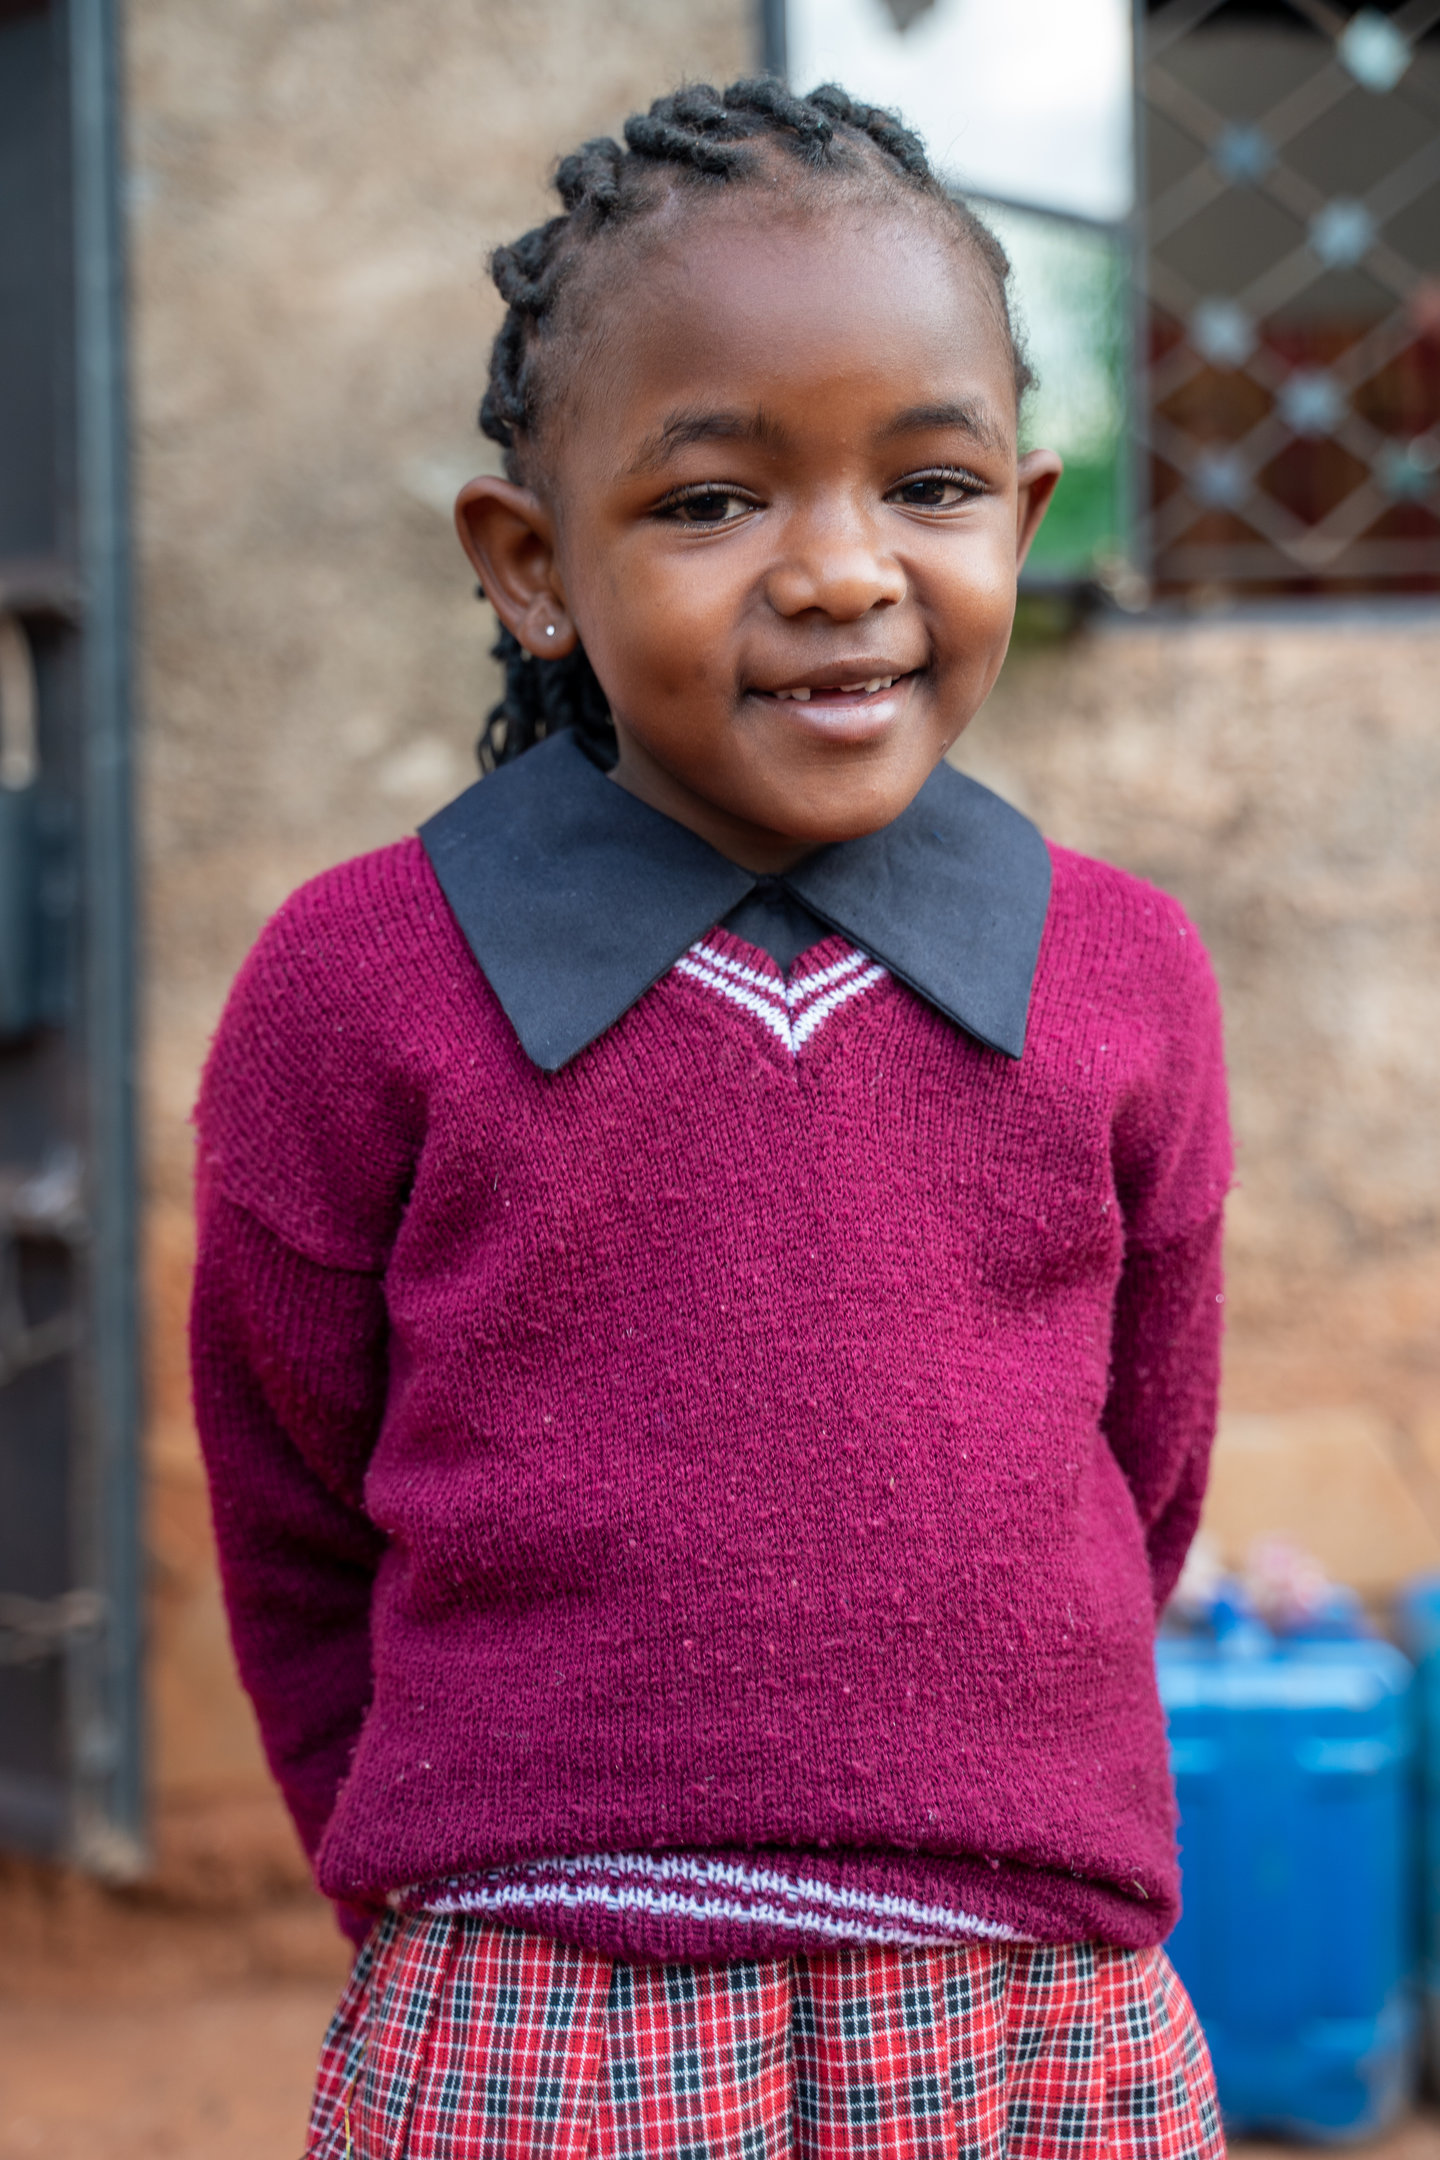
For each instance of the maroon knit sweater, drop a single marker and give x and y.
(713, 1499)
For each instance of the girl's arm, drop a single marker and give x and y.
(1172, 1161)
(1164, 1384)
(289, 1373)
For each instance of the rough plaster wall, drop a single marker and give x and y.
(316, 185)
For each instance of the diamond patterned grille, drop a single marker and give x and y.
(1290, 395)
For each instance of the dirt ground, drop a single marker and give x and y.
(137, 2028)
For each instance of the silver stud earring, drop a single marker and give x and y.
(549, 629)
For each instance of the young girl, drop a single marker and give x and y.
(708, 1301)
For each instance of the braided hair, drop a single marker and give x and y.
(697, 138)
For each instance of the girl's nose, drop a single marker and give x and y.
(840, 570)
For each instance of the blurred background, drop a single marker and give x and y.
(250, 647)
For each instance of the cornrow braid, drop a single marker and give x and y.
(699, 138)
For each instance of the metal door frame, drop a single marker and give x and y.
(94, 1623)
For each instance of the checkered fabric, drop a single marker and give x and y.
(461, 2040)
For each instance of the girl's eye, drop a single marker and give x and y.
(706, 506)
(936, 491)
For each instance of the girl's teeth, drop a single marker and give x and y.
(848, 689)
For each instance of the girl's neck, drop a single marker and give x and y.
(767, 853)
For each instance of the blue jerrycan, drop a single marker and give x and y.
(1293, 1763)
(19, 834)
(1418, 1614)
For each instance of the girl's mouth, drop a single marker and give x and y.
(835, 693)
(858, 708)
(838, 686)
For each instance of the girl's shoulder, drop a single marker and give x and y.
(1109, 923)
(1126, 990)
(362, 948)
(362, 907)
(312, 1100)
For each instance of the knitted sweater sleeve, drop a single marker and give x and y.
(1172, 1166)
(289, 1378)
(308, 1134)
(1164, 1381)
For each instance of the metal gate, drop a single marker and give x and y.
(70, 1737)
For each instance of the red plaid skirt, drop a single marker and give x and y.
(460, 2040)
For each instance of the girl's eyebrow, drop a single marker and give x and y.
(701, 424)
(971, 418)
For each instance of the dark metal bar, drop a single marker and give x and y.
(774, 38)
(106, 1721)
(39, 585)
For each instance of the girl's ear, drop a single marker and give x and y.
(510, 538)
(1036, 475)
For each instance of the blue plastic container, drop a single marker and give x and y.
(1293, 1765)
(1418, 1615)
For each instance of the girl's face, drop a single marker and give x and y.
(782, 510)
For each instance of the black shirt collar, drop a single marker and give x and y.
(574, 896)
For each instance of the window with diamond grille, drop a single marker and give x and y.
(1290, 365)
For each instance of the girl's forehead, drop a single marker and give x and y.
(766, 308)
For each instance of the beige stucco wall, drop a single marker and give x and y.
(315, 188)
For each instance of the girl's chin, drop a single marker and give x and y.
(822, 807)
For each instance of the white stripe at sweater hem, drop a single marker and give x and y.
(680, 1887)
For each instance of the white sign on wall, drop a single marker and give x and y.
(1025, 99)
